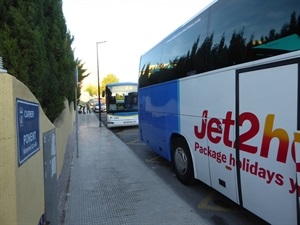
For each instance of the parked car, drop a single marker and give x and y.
(96, 107)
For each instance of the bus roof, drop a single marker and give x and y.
(121, 83)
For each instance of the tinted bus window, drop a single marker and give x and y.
(168, 60)
(228, 33)
(149, 65)
(246, 32)
(180, 49)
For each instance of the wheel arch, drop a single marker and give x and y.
(175, 137)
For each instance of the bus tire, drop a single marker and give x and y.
(182, 161)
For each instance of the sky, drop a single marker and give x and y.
(127, 28)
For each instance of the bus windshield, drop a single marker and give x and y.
(121, 98)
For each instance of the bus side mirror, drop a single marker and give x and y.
(103, 93)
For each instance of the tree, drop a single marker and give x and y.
(81, 76)
(92, 89)
(36, 49)
(108, 79)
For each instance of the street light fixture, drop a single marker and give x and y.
(99, 104)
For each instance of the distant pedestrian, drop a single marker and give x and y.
(88, 107)
(80, 108)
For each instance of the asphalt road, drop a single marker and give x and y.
(206, 201)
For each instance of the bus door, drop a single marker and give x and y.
(222, 158)
(211, 129)
(220, 132)
(267, 123)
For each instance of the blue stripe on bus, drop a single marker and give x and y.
(159, 114)
(123, 113)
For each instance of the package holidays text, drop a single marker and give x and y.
(211, 129)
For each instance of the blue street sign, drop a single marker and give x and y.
(28, 129)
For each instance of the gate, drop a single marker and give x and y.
(50, 177)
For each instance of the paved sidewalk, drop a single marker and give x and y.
(109, 185)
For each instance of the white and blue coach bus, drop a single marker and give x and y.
(219, 99)
(121, 104)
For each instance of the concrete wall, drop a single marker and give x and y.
(64, 126)
(22, 198)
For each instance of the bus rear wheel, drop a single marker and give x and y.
(182, 161)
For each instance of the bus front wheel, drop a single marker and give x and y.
(182, 161)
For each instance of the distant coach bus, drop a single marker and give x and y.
(219, 99)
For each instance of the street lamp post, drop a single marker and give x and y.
(100, 124)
